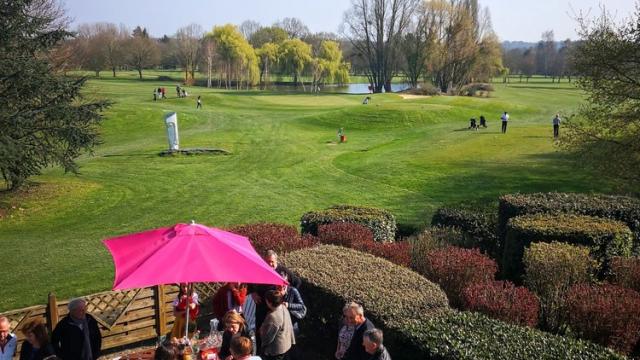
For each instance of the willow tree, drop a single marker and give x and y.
(328, 65)
(237, 56)
(268, 55)
(296, 55)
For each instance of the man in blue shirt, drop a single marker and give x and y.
(8, 340)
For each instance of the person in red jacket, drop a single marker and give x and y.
(231, 296)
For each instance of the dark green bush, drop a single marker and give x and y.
(479, 228)
(621, 208)
(381, 222)
(605, 238)
(413, 313)
(472, 336)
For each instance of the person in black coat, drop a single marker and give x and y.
(37, 345)
(355, 316)
(77, 336)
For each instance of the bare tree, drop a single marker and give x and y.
(142, 51)
(187, 49)
(249, 27)
(294, 27)
(209, 56)
(375, 27)
(92, 40)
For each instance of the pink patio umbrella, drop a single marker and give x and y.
(187, 253)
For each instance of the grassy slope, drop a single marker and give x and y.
(409, 156)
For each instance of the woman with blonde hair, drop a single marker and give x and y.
(234, 326)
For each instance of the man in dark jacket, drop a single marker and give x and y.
(372, 342)
(355, 316)
(77, 336)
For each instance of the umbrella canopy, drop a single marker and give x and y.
(187, 253)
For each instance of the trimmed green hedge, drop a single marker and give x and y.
(479, 229)
(413, 313)
(621, 208)
(605, 238)
(381, 222)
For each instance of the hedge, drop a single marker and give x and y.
(413, 313)
(360, 238)
(551, 269)
(278, 237)
(455, 268)
(504, 301)
(605, 238)
(381, 222)
(621, 208)
(606, 314)
(479, 228)
(626, 272)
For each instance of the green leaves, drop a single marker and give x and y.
(43, 117)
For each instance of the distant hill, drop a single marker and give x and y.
(510, 45)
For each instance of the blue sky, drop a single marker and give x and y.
(512, 19)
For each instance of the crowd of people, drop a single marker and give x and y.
(258, 322)
(263, 322)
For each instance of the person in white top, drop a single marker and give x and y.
(8, 340)
(505, 120)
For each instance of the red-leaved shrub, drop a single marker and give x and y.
(398, 252)
(344, 234)
(605, 314)
(504, 301)
(455, 268)
(626, 272)
(278, 237)
(360, 238)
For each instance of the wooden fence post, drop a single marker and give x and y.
(161, 315)
(52, 312)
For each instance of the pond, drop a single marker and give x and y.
(360, 88)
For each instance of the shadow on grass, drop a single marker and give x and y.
(480, 184)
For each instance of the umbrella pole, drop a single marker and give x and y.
(186, 319)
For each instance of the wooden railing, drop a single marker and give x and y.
(124, 317)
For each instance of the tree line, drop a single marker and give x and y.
(548, 58)
(448, 43)
(233, 56)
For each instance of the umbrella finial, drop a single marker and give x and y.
(193, 222)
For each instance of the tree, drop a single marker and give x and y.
(463, 36)
(249, 27)
(142, 51)
(208, 51)
(238, 58)
(92, 41)
(268, 54)
(545, 54)
(327, 66)
(187, 49)
(374, 28)
(605, 132)
(114, 42)
(294, 27)
(270, 34)
(44, 118)
(295, 55)
(417, 44)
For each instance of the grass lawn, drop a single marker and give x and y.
(408, 156)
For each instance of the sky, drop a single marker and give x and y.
(514, 20)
